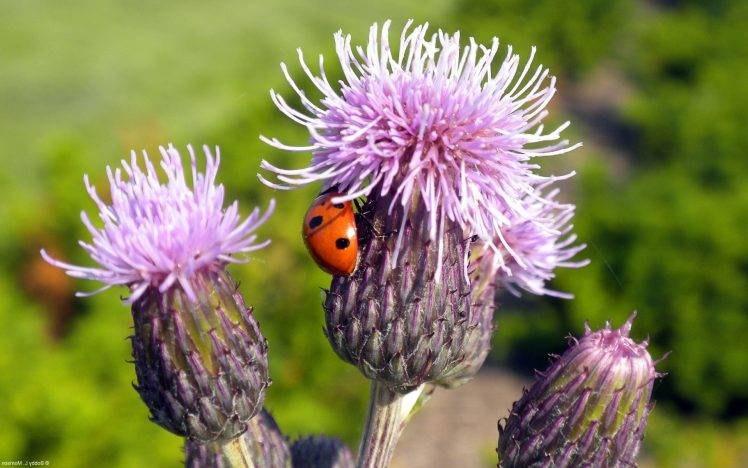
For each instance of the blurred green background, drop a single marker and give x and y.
(656, 90)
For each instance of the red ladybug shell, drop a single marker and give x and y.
(330, 235)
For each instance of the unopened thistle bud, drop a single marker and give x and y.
(439, 139)
(321, 452)
(589, 408)
(200, 359)
(263, 441)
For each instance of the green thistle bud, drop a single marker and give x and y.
(321, 452)
(201, 365)
(263, 442)
(589, 408)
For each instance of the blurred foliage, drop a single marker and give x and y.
(664, 208)
(673, 441)
(571, 37)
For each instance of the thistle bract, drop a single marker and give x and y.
(589, 408)
(268, 446)
(321, 452)
(483, 288)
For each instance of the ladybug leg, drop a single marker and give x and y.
(362, 221)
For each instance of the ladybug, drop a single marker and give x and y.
(330, 234)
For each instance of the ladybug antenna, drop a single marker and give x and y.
(330, 189)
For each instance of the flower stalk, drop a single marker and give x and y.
(237, 453)
(388, 414)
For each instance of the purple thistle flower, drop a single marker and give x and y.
(589, 408)
(161, 233)
(436, 121)
(200, 358)
(543, 241)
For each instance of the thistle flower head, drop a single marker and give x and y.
(533, 247)
(435, 120)
(159, 233)
(589, 408)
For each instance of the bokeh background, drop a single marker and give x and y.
(657, 91)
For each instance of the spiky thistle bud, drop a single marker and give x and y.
(200, 359)
(263, 440)
(589, 408)
(321, 452)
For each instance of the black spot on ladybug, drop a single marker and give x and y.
(314, 222)
(339, 206)
(342, 243)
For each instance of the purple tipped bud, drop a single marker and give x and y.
(589, 408)
(321, 452)
(201, 365)
(406, 315)
(263, 440)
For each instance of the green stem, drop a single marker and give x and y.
(237, 453)
(388, 413)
